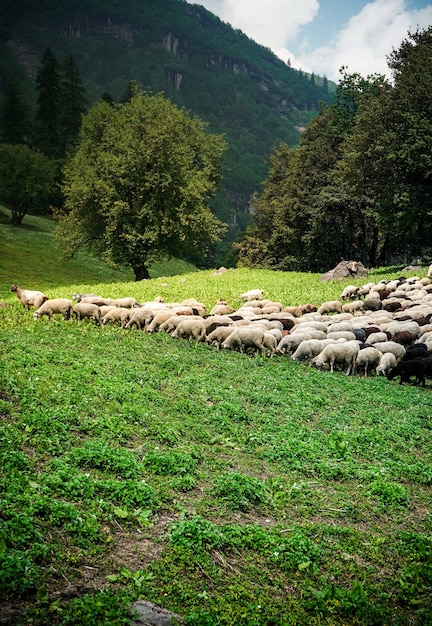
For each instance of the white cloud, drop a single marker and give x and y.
(271, 23)
(363, 44)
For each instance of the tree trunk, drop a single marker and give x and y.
(141, 273)
(16, 218)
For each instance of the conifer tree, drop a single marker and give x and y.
(72, 101)
(47, 115)
(14, 127)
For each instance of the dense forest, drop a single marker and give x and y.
(200, 63)
(359, 185)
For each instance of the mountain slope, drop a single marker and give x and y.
(242, 89)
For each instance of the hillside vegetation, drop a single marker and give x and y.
(202, 64)
(228, 488)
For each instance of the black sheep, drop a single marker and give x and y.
(407, 369)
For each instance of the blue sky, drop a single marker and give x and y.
(322, 35)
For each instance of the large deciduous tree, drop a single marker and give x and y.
(136, 187)
(388, 154)
(26, 180)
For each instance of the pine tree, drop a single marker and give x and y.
(73, 103)
(14, 125)
(46, 136)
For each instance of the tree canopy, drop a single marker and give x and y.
(359, 185)
(26, 180)
(137, 184)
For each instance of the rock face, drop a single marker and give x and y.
(148, 614)
(345, 269)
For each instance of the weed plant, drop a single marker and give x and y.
(230, 489)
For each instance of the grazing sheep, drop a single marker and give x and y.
(309, 330)
(79, 296)
(353, 307)
(332, 306)
(416, 351)
(29, 298)
(308, 349)
(377, 337)
(336, 327)
(88, 310)
(342, 334)
(62, 306)
(371, 303)
(342, 353)
(126, 303)
(104, 309)
(171, 323)
(159, 319)
(270, 342)
(363, 290)
(252, 294)
(99, 300)
(117, 315)
(391, 346)
(190, 328)
(290, 343)
(386, 363)
(367, 359)
(218, 335)
(140, 317)
(407, 369)
(246, 337)
(349, 293)
(296, 311)
(404, 337)
(222, 309)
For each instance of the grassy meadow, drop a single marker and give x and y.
(230, 489)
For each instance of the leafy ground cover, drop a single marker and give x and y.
(229, 489)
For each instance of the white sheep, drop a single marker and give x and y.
(88, 310)
(308, 349)
(244, 337)
(342, 353)
(386, 363)
(222, 309)
(218, 335)
(349, 293)
(252, 294)
(342, 334)
(79, 296)
(117, 315)
(99, 300)
(363, 290)
(378, 337)
(290, 343)
(126, 303)
(29, 298)
(340, 326)
(140, 317)
(367, 359)
(332, 306)
(190, 328)
(62, 306)
(171, 323)
(158, 319)
(270, 342)
(353, 307)
(391, 346)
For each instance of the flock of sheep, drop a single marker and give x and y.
(384, 327)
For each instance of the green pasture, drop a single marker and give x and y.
(230, 489)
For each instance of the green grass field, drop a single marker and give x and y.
(227, 488)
